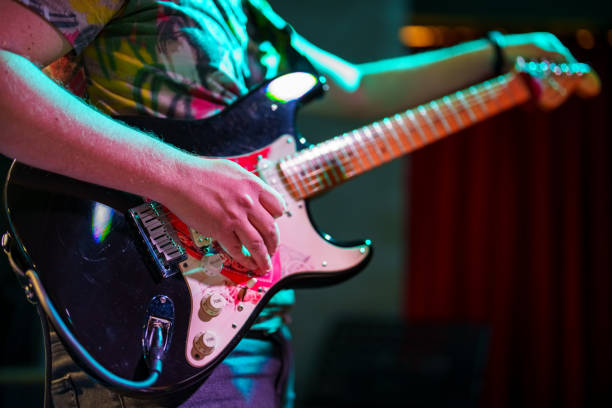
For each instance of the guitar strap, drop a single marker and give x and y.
(272, 27)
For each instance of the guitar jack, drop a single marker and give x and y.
(158, 329)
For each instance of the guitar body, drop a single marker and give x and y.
(93, 261)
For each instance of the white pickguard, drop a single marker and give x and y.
(302, 250)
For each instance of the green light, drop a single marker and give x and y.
(368, 242)
(245, 251)
(290, 87)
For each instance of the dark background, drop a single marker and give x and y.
(490, 281)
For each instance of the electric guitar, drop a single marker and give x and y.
(120, 270)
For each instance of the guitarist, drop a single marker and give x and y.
(191, 59)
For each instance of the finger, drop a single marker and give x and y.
(267, 228)
(233, 246)
(562, 50)
(250, 238)
(555, 57)
(568, 55)
(273, 202)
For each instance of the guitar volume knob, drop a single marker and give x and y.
(205, 342)
(213, 304)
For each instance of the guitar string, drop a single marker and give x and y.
(313, 183)
(485, 95)
(312, 180)
(479, 95)
(485, 92)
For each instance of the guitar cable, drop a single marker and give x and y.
(107, 376)
(35, 291)
(47, 402)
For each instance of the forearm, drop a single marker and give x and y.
(390, 86)
(47, 127)
(385, 87)
(381, 88)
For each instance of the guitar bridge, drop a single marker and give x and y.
(159, 237)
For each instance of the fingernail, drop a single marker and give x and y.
(269, 263)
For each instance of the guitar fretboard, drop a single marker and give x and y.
(314, 170)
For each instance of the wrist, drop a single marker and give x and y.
(167, 183)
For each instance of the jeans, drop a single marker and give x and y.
(257, 373)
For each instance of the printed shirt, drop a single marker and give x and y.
(182, 59)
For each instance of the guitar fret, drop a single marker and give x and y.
(479, 100)
(466, 106)
(381, 132)
(421, 109)
(320, 167)
(370, 136)
(342, 149)
(308, 173)
(332, 162)
(399, 119)
(415, 124)
(355, 152)
(301, 185)
(453, 110)
(313, 169)
(303, 178)
(289, 172)
(492, 95)
(326, 147)
(336, 163)
(504, 84)
(440, 115)
(505, 99)
(389, 126)
(364, 147)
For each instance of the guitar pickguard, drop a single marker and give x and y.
(241, 293)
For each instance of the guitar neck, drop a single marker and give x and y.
(319, 168)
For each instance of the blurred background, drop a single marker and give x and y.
(490, 283)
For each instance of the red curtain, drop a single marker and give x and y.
(510, 227)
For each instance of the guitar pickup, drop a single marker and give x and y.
(159, 237)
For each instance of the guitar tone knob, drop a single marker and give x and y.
(212, 264)
(205, 342)
(213, 304)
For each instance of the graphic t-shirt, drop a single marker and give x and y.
(182, 59)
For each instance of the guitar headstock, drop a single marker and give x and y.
(553, 83)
